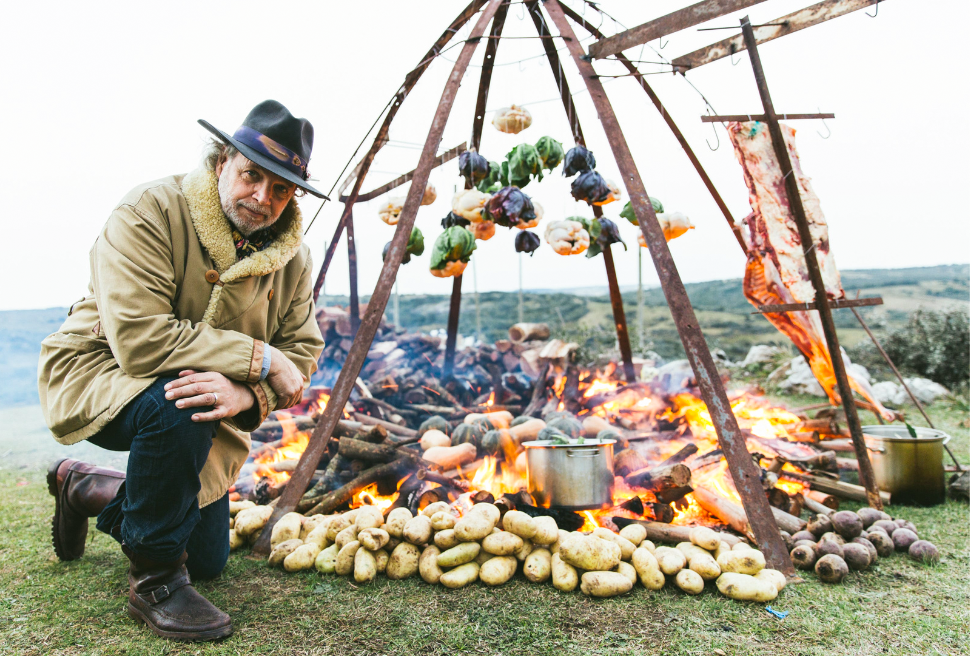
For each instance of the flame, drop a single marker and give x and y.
(590, 523)
(369, 497)
(491, 400)
(292, 445)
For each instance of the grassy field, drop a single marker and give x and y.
(897, 607)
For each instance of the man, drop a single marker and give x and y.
(198, 322)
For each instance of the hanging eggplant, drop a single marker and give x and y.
(472, 166)
(578, 160)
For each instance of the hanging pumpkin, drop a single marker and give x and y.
(512, 120)
(390, 211)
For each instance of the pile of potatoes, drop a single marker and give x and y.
(455, 551)
(834, 544)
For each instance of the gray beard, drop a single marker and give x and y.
(243, 225)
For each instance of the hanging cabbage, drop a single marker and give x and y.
(602, 233)
(567, 237)
(509, 207)
(451, 252)
(674, 224)
(415, 246)
(454, 220)
(526, 242)
(468, 204)
(550, 152)
(472, 166)
(390, 211)
(490, 183)
(590, 187)
(578, 160)
(512, 120)
(630, 216)
(523, 163)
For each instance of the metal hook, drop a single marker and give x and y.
(735, 63)
(716, 136)
(522, 11)
(826, 127)
(877, 10)
(662, 44)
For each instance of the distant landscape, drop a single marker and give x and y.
(581, 315)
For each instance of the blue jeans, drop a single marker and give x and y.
(156, 513)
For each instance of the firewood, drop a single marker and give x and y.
(682, 455)
(441, 479)
(778, 498)
(673, 494)
(847, 464)
(329, 502)
(817, 508)
(827, 500)
(659, 512)
(434, 495)
(391, 427)
(627, 461)
(376, 435)
(352, 449)
(836, 488)
(660, 478)
(797, 504)
(710, 458)
(658, 532)
(524, 332)
(724, 509)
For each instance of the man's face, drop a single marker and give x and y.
(252, 197)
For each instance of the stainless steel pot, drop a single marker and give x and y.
(911, 470)
(571, 476)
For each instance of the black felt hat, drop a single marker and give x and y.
(274, 139)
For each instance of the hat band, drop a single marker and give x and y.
(276, 151)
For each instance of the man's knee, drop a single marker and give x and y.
(209, 565)
(177, 422)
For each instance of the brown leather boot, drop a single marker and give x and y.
(161, 595)
(80, 491)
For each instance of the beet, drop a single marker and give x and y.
(883, 543)
(819, 525)
(873, 554)
(869, 516)
(925, 552)
(886, 525)
(907, 525)
(826, 547)
(787, 539)
(803, 535)
(831, 569)
(834, 537)
(903, 538)
(803, 557)
(847, 524)
(856, 556)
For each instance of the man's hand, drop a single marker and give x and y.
(285, 379)
(200, 389)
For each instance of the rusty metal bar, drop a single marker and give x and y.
(619, 317)
(723, 118)
(382, 292)
(352, 273)
(746, 476)
(836, 304)
(557, 72)
(454, 314)
(444, 157)
(721, 205)
(799, 20)
(672, 22)
(360, 171)
(866, 475)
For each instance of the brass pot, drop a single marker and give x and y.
(910, 469)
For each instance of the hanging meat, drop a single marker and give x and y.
(776, 272)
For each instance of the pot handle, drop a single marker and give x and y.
(582, 453)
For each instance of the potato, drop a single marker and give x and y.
(924, 552)
(649, 546)
(234, 540)
(538, 565)
(520, 524)
(604, 584)
(403, 562)
(635, 533)
(282, 550)
(524, 552)
(648, 568)
(705, 565)
(311, 523)
(459, 555)
(670, 560)
(392, 543)
(351, 515)
(373, 538)
(236, 506)
(626, 547)
(554, 547)
(483, 557)
(831, 569)
(490, 510)
(396, 521)
(232, 522)
(365, 566)
(803, 557)
(434, 438)
(856, 556)
(381, 557)
(547, 532)
(904, 538)
(590, 553)
(689, 581)
(564, 576)
(721, 548)
(326, 560)
(748, 562)
(705, 538)
(744, 587)
(502, 543)
(442, 520)
(474, 526)
(250, 520)
(302, 558)
(318, 536)
(689, 549)
(498, 570)
(349, 534)
(418, 530)
(446, 539)
(428, 564)
(742, 546)
(344, 564)
(847, 524)
(254, 537)
(627, 570)
(460, 576)
(336, 525)
(436, 507)
(369, 517)
(774, 577)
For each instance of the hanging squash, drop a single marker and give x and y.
(468, 204)
(430, 195)
(483, 230)
(567, 237)
(674, 224)
(512, 120)
(390, 211)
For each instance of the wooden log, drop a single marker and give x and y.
(660, 532)
(627, 461)
(391, 427)
(524, 332)
(660, 478)
(788, 522)
(847, 464)
(359, 450)
(712, 458)
(538, 392)
(333, 500)
(827, 500)
(376, 435)
(441, 479)
(682, 455)
(797, 504)
(724, 509)
(817, 508)
(836, 488)
(673, 494)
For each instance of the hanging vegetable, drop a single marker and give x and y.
(629, 215)
(509, 207)
(490, 183)
(526, 242)
(472, 166)
(483, 230)
(674, 224)
(567, 237)
(430, 195)
(415, 246)
(454, 220)
(390, 211)
(468, 204)
(537, 208)
(512, 120)
(550, 152)
(451, 252)
(578, 160)
(521, 165)
(615, 192)
(591, 187)
(602, 233)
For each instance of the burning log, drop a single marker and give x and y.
(538, 392)
(352, 449)
(329, 502)
(847, 464)
(396, 429)
(827, 500)
(441, 479)
(682, 455)
(708, 459)
(660, 512)
(727, 511)
(673, 494)
(628, 461)
(834, 487)
(660, 478)
(657, 532)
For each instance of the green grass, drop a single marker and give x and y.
(897, 607)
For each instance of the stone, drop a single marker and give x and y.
(761, 354)
(927, 391)
(800, 379)
(890, 393)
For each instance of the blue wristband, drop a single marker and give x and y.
(267, 361)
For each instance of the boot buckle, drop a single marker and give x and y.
(159, 594)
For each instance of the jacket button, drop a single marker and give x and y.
(271, 294)
(212, 276)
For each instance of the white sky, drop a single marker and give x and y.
(104, 96)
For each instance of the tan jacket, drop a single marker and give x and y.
(156, 306)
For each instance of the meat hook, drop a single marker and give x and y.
(661, 43)
(877, 10)
(826, 126)
(716, 136)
